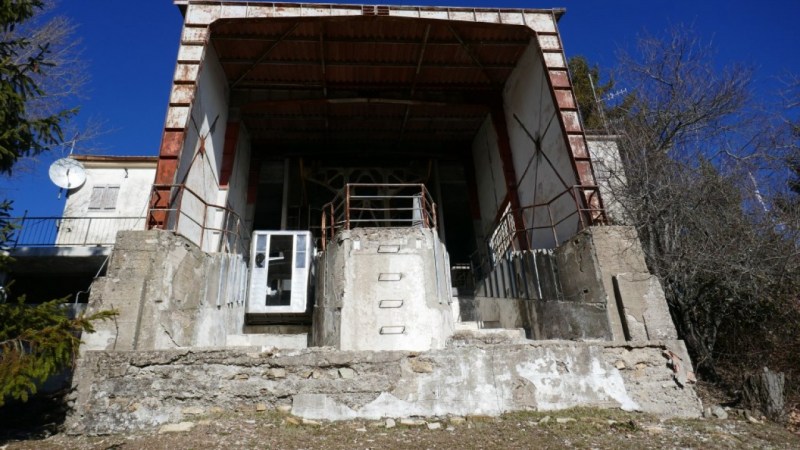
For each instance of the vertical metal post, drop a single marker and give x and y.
(552, 225)
(285, 199)
(347, 207)
(324, 228)
(86, 234)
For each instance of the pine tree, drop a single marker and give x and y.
(21, 131)
(38, 341)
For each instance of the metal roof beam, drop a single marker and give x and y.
(265, 54)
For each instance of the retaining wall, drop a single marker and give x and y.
(121, 391)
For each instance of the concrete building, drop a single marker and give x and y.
(376, 181)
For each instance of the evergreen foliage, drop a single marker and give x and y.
(37, 342)
(23, 133)
(583, 75)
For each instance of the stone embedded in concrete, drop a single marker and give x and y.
(193, 411)
(347, 373)
(470, 380)
(181, 427)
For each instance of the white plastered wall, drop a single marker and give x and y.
(610, 173)
(488, 174)
(234, 196)
(134, 180)
(531, 113)
(199, 172)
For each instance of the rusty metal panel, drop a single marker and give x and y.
(540, 22)
(464, 16)
(433, 14)
(202, 14)
(194, 35)
(233, 11)
(171, 143)
(578, 146)
(585, 172)
(190, 53)
(186, 72)
(182, 94)
(554, 60)
(571, 121)
(265, 10)
(165, 171)
(487, 17)
(404, 12)
(512, 18)
(565, 99)
(548, 42)
(559, 78)
(177, 117)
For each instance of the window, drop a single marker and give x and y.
(300, 254)
(104, 198)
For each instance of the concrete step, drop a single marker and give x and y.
(465, 337)
(459, 326)
(287, 341)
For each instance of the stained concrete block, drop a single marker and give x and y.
(164, 291)
(383, 289)
(570, 320)
(645, 307)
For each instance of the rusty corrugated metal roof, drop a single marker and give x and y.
(444, 73)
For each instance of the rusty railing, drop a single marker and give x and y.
(378, 205)
(172, 205)
(506, 237)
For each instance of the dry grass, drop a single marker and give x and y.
(590, 428)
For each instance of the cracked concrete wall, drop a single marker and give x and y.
(168, 294)
(122, 391)
(383, 289)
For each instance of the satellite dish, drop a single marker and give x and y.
(67, 173)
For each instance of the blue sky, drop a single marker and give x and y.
(130, 48)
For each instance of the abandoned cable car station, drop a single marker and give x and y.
(376, 211)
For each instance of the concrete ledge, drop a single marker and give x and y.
(156, 387)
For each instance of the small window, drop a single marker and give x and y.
(300, 253)
(104, 198)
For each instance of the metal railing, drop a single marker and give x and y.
(56, 231)
(173, 205)
(507, 237)
(378, 205)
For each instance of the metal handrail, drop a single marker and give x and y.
(59, 231)
(166, 214)
(348, 206)
(516, 239)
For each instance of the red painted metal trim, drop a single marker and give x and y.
(509, 173)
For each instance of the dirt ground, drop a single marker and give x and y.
(576, 428)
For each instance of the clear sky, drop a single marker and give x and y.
(130, 48)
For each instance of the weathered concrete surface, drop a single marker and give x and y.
(594, 286)
(383, 289)
(648, 318)
(619, 255)
(168, 293)
(119, 391)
